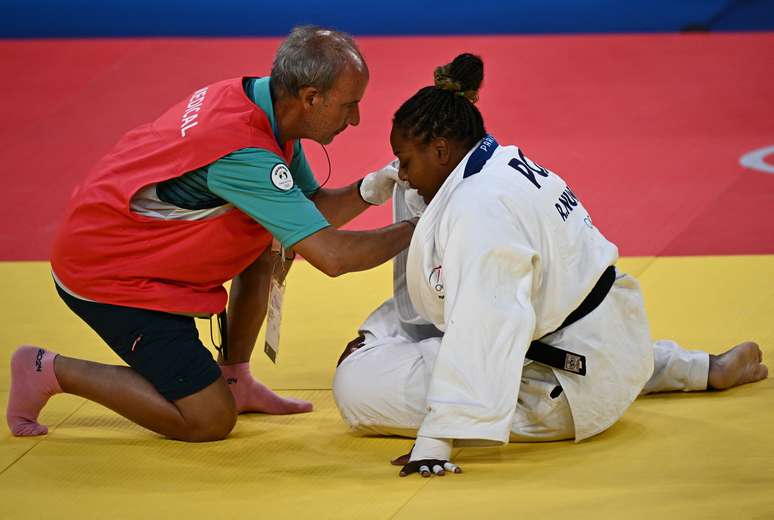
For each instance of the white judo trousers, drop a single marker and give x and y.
(500, 257)
(381, 388)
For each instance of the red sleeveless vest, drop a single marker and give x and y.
(107, 253)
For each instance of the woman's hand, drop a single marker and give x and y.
(428, 467)
(425, 467)
(352, 346)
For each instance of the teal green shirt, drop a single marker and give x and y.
(256, 181)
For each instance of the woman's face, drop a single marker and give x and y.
(424, 165)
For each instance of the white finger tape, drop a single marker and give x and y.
(437, 469)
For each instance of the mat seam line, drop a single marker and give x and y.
(409, 499)
(51, 430)
(738, 178)
(712, 200)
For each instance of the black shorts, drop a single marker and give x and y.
(163, 348)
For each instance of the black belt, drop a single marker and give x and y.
(564, 359)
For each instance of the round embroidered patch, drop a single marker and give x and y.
(281, 178)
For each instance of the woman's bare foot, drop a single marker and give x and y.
(742, 364)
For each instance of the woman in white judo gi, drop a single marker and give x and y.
(504, 254)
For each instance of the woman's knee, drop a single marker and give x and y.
(349, 392)
(365, 394)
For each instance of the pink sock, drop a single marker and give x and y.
(253, 396)
(32, 383)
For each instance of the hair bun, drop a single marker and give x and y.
(463, 76)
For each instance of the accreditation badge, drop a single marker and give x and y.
(274, 308)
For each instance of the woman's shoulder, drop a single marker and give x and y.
(480, 195)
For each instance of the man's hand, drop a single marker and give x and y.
(376, 187)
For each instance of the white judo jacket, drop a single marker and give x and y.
(500, 257)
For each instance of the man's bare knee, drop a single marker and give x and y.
(208, 415)
(212, 430)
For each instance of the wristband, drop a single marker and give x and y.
(360, 193)
(431, 448)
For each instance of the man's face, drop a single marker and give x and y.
(330, 113)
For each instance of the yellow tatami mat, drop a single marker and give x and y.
(701, 455)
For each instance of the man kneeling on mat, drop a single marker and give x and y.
(509, 321)
(181, 206)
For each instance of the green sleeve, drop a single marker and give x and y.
(302, 173)
(259, 183)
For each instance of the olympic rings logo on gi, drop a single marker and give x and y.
(756, 160)
(436, 281)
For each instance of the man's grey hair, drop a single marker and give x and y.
(313, 56)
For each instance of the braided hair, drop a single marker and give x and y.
(446, 109)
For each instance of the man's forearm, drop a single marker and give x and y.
(340, 205)
(336, 252)
(367, 249)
